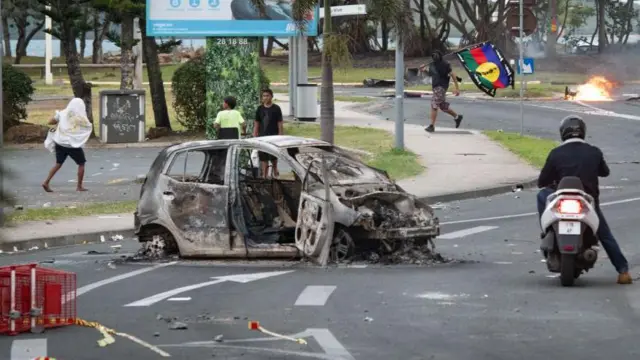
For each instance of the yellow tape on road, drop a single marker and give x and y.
(254, 325)
(108, 339)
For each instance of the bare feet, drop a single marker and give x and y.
(81, 189)
(46, 188)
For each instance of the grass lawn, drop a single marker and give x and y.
(399, 164)
(279, 73)
(531, 149)
(53, 213)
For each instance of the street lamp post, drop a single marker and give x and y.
(48, 50)
(399, 126)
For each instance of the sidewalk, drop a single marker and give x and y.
(459, 163)
(64, 232)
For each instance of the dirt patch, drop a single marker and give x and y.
(26, 133)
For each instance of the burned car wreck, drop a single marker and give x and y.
(206, 199)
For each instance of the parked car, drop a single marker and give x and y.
(205, 199)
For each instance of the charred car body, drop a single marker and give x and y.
(205, 199)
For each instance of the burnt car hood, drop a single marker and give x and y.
(384, 210)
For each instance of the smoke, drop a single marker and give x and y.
(534, 49)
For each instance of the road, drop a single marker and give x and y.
(494, 301)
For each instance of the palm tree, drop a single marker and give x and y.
(334, 45)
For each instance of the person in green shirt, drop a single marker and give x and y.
(228, 118)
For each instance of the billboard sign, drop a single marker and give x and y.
(201, 18)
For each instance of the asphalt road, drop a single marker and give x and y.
(496, 301)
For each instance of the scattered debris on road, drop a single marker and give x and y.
(178, 325)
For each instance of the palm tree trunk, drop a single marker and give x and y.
(126, 52)
(327, 109)
(156, 84)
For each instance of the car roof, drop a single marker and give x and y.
(281, 141)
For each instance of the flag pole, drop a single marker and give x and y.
(520, 64)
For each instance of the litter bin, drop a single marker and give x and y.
(306, 102)
(122, 117)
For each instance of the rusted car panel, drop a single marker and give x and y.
(222, 209)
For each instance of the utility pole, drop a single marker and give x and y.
(399, 129)
(137, 54)
(521, 65)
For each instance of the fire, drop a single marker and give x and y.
(598, 88)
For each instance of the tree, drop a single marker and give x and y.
(101, 26)
(620, 20)
(6, 10)
(83, 26)
(124, 12)
(476, 15)
(28, 21)
(156, 84)
(66, 13)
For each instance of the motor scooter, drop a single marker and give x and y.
(569, 231)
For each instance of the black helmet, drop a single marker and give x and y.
(572, 127)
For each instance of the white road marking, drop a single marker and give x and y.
(179, 299)
(89, 287)
(333, 349)
(28, 349)
(466, 232)
(96, 174)
(513, 216)
(314, 295)
(243, 278)
(502, 262)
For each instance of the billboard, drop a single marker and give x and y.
(202, 18)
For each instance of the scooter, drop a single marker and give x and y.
(569, 224)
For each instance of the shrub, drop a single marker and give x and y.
(17, 89)
(233, 71)
(189, 94)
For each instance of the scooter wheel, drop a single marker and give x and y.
(567, 269)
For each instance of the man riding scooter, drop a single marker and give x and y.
(575, 157)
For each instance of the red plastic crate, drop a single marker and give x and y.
(33, 297)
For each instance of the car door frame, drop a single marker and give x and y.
(215, 229)
(315, 222)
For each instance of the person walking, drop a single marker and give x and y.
(268, 122)
(441, 75)
(72, 132)
(229, 122)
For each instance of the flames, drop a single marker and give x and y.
(598, 88)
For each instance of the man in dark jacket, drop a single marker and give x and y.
(575, 157)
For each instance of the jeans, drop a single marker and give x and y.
(605, 236)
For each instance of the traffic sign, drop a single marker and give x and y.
(527, 67)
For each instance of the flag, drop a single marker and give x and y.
(487, 67)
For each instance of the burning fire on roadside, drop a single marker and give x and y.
(598, 88)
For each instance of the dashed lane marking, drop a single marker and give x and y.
(466, 232)
(314, 295)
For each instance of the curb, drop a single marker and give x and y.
(479, 193)
(62, 241)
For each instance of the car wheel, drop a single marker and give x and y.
(342, 246)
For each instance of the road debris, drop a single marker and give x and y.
(218, 338)
(178, 325)
(108, 338)
(255, 325)
(111, 266)
(368, 319)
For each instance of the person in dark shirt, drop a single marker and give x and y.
(441, 74)
(575, 157)
(268, 122)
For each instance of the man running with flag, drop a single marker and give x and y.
(441, 74)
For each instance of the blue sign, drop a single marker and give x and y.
(527, 65)
(202, 18)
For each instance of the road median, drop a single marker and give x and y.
(531, 149)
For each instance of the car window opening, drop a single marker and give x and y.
(269, 205)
